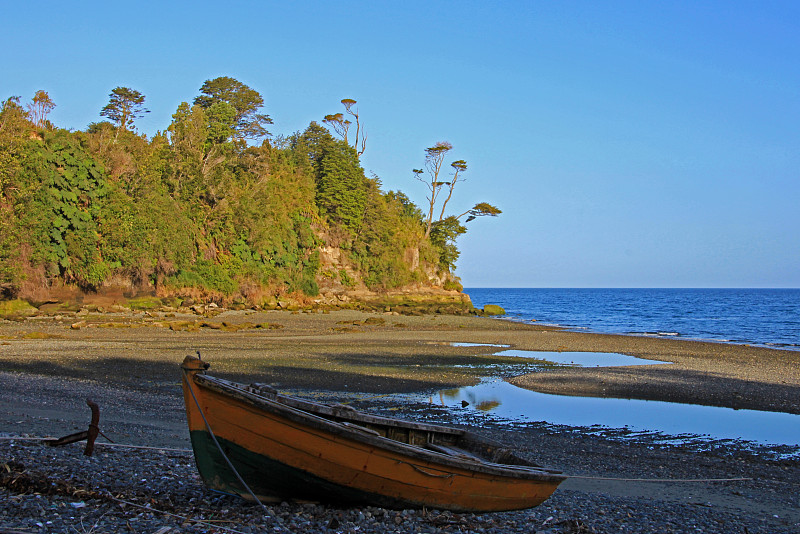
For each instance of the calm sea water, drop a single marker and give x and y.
(769, 317)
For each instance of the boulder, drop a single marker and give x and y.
(11, 309)
(493, 309)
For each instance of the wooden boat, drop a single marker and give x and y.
(286, 448)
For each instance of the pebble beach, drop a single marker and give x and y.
(128, 363)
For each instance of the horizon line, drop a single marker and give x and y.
(633, 287)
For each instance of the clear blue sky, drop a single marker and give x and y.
(629, 144)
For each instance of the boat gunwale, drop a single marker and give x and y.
(344, 411)
(310, 419)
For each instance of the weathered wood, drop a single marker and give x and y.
(453, 451)
(294, 449)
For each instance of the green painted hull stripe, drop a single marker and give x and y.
(269, 478)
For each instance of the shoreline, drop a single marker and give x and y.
(128, 363)
(699, 372)
(742, 316)
(656, 335)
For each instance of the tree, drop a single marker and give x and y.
(459, 167)
(67, 187)
(443, 235)
(39, 108)
(124, 106)
(480, 209)
(341, 126)
(14, 130)
(340, 181)
(341, 187)
(386, 248)
(434, 158)
(248, 124)
(13, 119)
(434, 161)
(409, 209)
(200, 147)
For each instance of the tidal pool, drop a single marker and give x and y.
(506, 402)
(581, 359)
(460, 344)
(511, 403)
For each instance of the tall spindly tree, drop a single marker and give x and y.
(341, 125)
(436, 183)
(124, 106)
(39, 108)
(434, 159)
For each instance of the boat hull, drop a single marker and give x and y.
(274, 481)
(286, 454)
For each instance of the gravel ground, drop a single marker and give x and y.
(48, 377)
(48, 489)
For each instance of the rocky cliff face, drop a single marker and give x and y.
(340, 286)
(340, 282)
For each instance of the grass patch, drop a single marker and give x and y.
(39, 335)
(16, 308)
(145, 303)
(182, 326)
(54, 308)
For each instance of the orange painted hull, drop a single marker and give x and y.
(288, 449)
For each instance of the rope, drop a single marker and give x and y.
(219, 447)
(126, 446)
(120, 445)
(736, 479)
(184, 518)
(739, 479)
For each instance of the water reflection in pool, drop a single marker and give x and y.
(581, 359)
(508, 402)
(460, 344)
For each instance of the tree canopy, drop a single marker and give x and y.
(436, 183)
(39, 108)
(341, 125)
(245, 101)
(125, 105)
(196, 210)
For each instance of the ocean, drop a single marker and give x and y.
(764, 317)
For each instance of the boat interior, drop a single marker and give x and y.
(453, 442)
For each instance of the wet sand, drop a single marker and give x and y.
(128, 362)
(355, 351)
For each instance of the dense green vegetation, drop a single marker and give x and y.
(214, 206)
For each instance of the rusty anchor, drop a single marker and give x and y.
(89, 435)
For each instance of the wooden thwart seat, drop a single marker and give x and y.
(454, 451)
